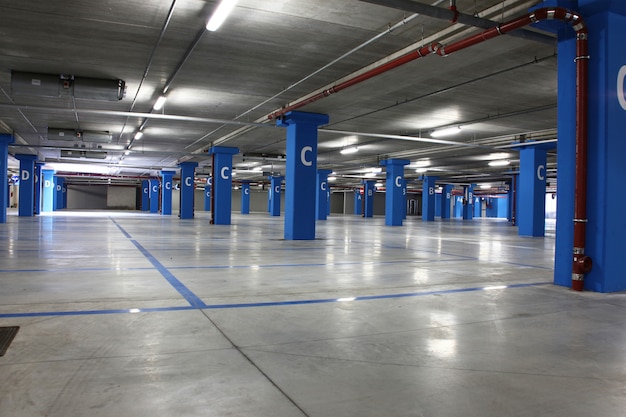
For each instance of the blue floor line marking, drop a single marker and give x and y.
(124, 232)
(187, 294)
(271, 303)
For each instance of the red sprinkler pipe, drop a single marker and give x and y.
(581, 263)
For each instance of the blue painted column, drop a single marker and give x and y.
(446, 196)
(405, 194)
(154, 196)
(478, 207)
(322, 206)
(55, 193)
(532, 192)
(27, 185)
(222, 183)
(468, 202)
(166, 192)
(5, 141)
(428, 198)
(187, 175)
(606, 23)
(64, 194)
(58, 195)
(245, 197)
(395, 205)
(207, 194)
(145, 195)
(369, 190)
(605, 237)
(514, 200)
(358, 202)
(48, 190)
(458, 206)
(37, 208)
(300, 182)
(275, 187)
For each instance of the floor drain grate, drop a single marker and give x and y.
(6, 337)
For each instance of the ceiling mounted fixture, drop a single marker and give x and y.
(448, 131)
(220, 14)
(158, 105)
(138, 135)
(421, 163)
(56, 86)
(499, 163)
(349, 150)
(421, 170)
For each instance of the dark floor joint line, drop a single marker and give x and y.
(266, 376)
(191, 298)
(6, 337)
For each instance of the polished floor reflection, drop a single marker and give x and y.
(130, 314)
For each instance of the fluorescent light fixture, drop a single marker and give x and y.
(332, 178)
(421, 170)
(158, 105)
(421, 163)
(378, 185)
(138, 135)
(376, 170)
(344, 299)
(349, 150)
(499, 163)
(220, 15)
(127, 152)
(448, 131)
(498, 155)
(485, 186)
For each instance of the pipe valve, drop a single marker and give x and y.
(581, 265)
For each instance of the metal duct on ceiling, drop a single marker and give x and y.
(83, 154)
(76, 135)
(55, 86)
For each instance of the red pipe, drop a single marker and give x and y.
(581, 263)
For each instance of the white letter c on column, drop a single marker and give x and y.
(621, 95)
(306, 162)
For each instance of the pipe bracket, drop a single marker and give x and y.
(582, 57)
(581, 221)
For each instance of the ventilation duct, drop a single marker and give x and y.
(83, 154)
(55, 86)
(75, 135)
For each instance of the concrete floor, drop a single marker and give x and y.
(129, 314)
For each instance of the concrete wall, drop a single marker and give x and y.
(91, 197)
(121, 198)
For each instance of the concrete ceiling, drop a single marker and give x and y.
(222, 85)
